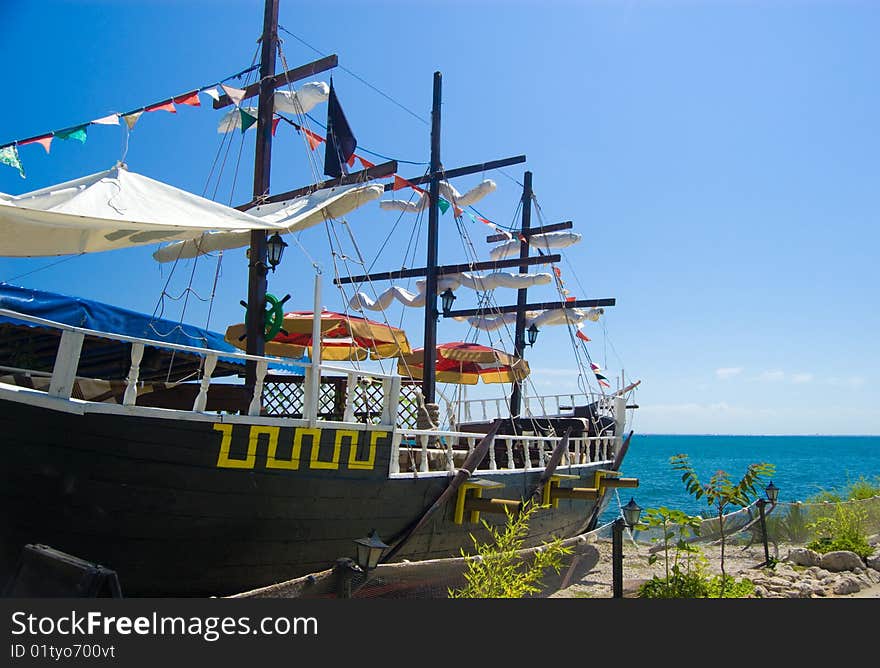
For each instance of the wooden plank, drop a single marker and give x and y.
(539, 306)
(462, 171)
(375, 172)
(492, 238)
(446, 269)
(296, 74)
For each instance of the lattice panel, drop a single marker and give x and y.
(408, 408)
(286, 397)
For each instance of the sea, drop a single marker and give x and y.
(805, 466)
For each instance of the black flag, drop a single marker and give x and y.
(341, 142)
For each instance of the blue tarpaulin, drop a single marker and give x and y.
(89, 314)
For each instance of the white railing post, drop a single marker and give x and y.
(202, 397)
(423, 465)
(137, 354)
(350, 389)
(395, 452)
(510, 463)
(450, 456)
(493, 466)
(527, 460)
(313, 380)
(66, 363)
(257, 399)
(390, 399)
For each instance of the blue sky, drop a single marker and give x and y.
(720, 159)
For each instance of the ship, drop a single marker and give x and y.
(202, 463)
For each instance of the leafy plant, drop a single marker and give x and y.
(727, 587)
(499, 572)
(793, 525)
(863, 489)
(843, 531)
(721, 493)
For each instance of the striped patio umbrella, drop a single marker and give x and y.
(466, 364)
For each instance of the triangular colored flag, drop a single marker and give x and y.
(192, 99)
(341, 141)
(444, 205)
(132, 118)
(350, 161)
(212, 93)
(235, 94)
(275, 122)
(558, 272)
(78, 133)
(582, 336)
(246, 120)
(603, 382)
(570, 299)
(313, 139)
(9, 156)
(399, 183)
(45, 141)
(366, 164)
(595, 367)
(457, 211)
(162, 106)
(112, 119)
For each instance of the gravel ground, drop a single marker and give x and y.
(739, 561)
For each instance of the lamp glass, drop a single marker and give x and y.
(275, 247)
(369, 551)
(631, 513)
(533, 334)
(446, 299)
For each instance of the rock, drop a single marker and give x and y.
(804, 557)
(874, 541)
(874, 560)
(841, 560)
(760, 592)
(846, 586)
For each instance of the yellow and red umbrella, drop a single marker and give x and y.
(466, 364)
(343, 337)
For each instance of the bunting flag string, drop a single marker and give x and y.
(580, 333)
(9, 156)
(9, 151)
(602, 380)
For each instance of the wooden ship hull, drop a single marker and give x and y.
(189, 505)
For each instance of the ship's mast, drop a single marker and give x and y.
(256, 300)
(519, 336)
(430, 351)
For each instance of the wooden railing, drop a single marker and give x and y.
(70, 346)
(417, 451)
(533, 406)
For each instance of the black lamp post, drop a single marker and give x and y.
(275, 249)
(532, 333)
(631, 512)
(369, 551)
(772, 492)
(446, 299)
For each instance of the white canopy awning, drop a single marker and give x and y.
(289, 216)
(107, 211)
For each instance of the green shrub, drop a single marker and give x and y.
(732, 588)
(792, 526)
(679, 584)
(502, 573)
(842, 531)
(863, 489)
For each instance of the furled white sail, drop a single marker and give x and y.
(288, 216)
(296, 102)
(447, 192)
(550, 240)
(107, 211)
(540, 319)
(482, 282)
